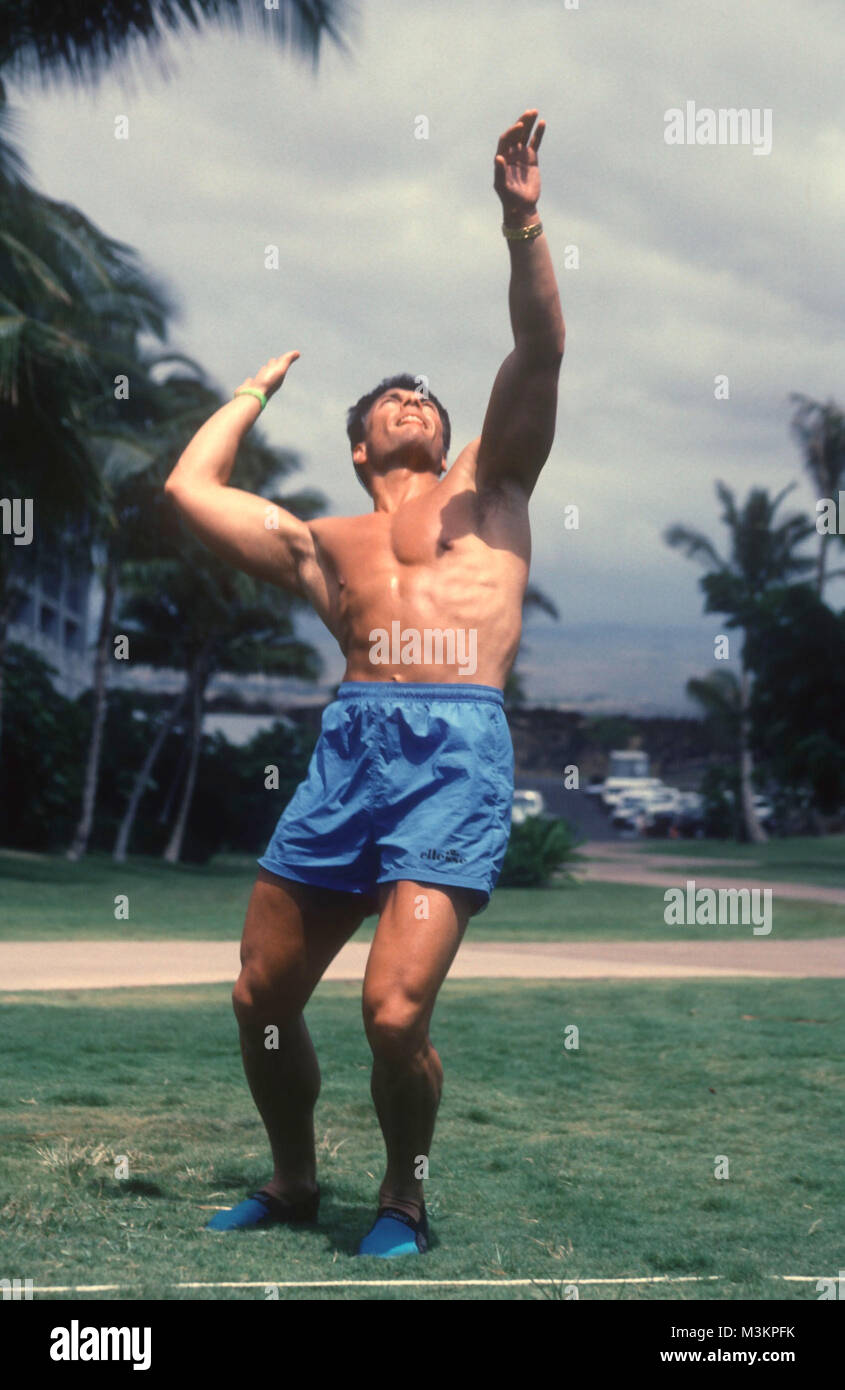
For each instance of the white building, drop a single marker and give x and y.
(51, 615)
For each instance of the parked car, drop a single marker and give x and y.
(616, 787)
(660, 799)
(762, 805)
(689, 820)
(525, 804)
(630, 813)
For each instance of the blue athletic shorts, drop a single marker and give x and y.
(407, 781)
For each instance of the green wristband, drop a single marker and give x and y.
(252, 391)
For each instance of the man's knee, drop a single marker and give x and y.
(396, 1024)
(244, 998)
(259, 1000)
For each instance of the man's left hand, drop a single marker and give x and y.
(517, 175)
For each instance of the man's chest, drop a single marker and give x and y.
(418, 536)
(457, 549)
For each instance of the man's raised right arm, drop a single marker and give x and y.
(248, 531)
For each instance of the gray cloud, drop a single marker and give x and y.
(694, 261)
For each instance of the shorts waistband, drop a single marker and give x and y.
(418, 690)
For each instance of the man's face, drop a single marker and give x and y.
(400, 418)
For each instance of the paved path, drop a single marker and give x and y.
(108, 964)
(616, 863)
(124, 964)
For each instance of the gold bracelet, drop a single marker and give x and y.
(522, 233)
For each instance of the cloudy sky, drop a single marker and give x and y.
(694, 262)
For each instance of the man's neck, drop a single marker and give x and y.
(393, 489)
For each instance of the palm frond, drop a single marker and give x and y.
(25, 259)
(718, 694)
(82, 38)
(730, 515)
(40, 346)
(535, 600)
(820, 432)
(694, 544)
(13, 166)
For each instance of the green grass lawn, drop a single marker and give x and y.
(44, 898)
(804, 859)
(547, 1163)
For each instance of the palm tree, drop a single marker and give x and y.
(126, 439)
(197, 614)
(66, 291)
(761, 554)
(167, 614)
(135, 443)
(144, 777)
(820, 431)
(718, 694)
(72, 301)
(129, 440)
(124, 495)
(81, 40)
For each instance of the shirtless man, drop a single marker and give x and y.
(405, 809)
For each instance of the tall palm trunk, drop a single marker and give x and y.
(198, 681)
(821, 564)
(753, 828)
(163, 816)
(121, 844)
(92, 766)
(5, 618)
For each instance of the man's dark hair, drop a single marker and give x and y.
(357, 413)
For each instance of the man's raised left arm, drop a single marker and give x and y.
(520, 422)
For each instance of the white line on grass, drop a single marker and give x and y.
(413, 1283)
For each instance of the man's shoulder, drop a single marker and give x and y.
(464, 464)
(328, 533)
(493, 495)
(322, 526)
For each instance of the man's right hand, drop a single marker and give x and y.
(270, 377)
(248, 531)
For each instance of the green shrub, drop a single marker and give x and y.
(536, 848)
(43, 751)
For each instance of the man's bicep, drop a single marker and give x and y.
(519, 426)
(247, 531)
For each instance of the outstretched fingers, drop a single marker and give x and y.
(520, 132)
(526, 121)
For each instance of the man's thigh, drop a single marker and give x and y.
(420, 927)
(292, 933)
